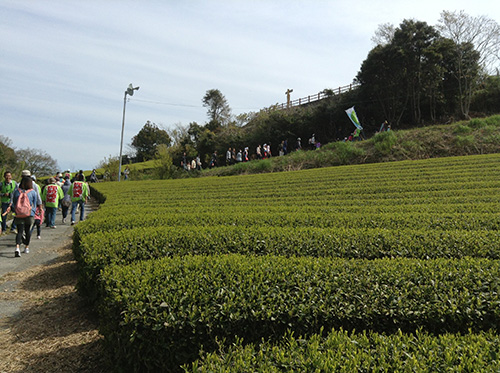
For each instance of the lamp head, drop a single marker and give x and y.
(131, 89)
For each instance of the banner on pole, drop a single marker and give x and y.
(351, 113)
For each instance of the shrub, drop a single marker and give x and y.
(384, 142)
(476, 123)
(341, 351)
(465, 141)
(346, 152)
(160, 313)
(460, 129)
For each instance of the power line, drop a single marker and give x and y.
(165, 103)
(184, 105)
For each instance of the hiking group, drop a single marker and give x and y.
(31, 206)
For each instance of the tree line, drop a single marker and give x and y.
(416, 74)
(39, 162)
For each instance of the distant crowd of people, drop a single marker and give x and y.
(32, 206)
(234, 156)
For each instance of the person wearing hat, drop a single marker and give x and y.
(298, 144)
(51, 196)
(7, 187)
(59, 179)
(37, 188)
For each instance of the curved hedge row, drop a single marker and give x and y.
(128, 246)
(295, 251)
(187, 302)
(341, 351)
(394, 222)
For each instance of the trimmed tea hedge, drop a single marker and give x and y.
(176, 265)
(185, 303)
(341, 351)
(129, 246)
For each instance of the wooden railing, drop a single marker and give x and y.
(312, 98)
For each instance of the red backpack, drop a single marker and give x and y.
(23, 205)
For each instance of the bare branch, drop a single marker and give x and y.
(384, 34)
(482, 32)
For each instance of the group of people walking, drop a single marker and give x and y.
(233, 156)
(31, 205)
(193, 164)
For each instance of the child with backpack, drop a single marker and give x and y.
(24, 204)
(39, 215)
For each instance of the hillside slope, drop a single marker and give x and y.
(476, 136)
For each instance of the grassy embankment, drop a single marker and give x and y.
(475, 136)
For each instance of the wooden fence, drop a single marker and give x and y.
(312, 98)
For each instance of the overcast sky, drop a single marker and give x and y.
(64, 65)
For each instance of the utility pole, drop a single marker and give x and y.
(130, 91)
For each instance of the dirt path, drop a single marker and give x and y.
(45, 326)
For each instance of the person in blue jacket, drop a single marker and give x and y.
(24, 224)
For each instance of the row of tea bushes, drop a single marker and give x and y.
(128, 246)
(433, 194)
(440, 220)
(187, 302)
(292, 251)
(340, 351)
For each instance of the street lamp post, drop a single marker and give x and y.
(130, 91)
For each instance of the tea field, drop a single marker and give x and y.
(388, 266)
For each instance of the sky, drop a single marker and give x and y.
(65, 65)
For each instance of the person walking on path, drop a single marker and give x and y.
(24, 223)
(213, 161)
(229, 157)
(7, 187)
(79, 192)
(35, 185)
(51, 195)
(39, 215)
(93, 177)
(66, 201)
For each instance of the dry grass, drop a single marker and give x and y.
(55, 331)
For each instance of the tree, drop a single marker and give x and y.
(439, 88)
(181, 136)
(194, 131)
(163, 163)
(110, 167)
(37, 161)
(384, 34)
(382, 82)
(487, 98)
(8, 159)
(482, 32)
(414, 40)
(477, 46)
(218, 112)
(244, 118)
(147, 141)
(403, 73)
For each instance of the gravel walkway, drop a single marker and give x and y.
(42, 252)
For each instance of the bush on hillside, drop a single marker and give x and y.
(384, 142)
